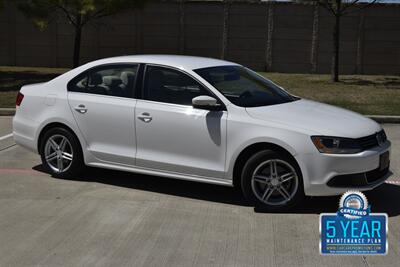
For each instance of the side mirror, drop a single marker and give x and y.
(206, 102)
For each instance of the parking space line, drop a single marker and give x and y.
(19, 171)
(393, 182)
(5, 136)
(7, 147)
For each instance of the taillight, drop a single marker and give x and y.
(20, 97)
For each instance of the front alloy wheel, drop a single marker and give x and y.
(272, 180)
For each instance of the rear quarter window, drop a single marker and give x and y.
(78, 84)
(109, 80)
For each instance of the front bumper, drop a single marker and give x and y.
(334, 174)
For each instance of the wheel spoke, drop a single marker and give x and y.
(66, 156)
(268, 192)
(51, 156)
(53, 144)
(60, 164)
(287, 177)
(284, 192)
(273, 169)
(261, 178)
(62, 144)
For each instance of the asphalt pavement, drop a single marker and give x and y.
(111, 218)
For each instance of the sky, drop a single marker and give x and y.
(380, 1)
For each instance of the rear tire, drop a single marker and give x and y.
(61, 153)
(272, 181)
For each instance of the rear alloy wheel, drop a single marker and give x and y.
(272, 180)
(58, 153)
(61, 153)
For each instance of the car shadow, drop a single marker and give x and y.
(385, 198)
(175, 187)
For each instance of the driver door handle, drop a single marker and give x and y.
(145, 117)
(81, 109)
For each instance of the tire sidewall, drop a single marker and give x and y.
(77, 161)
(247, 174)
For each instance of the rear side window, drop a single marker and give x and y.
(106, 80)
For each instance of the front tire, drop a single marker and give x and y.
(272, 181)
(61, 153)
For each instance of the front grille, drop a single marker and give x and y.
(371, 141)
(375, 175)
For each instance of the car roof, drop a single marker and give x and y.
(177, 61)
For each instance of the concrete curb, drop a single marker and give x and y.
(385, 119)
(7, 111)
(377, 118)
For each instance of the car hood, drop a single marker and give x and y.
(317, 118)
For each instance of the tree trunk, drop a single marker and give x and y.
(270, 31)
(315, 40)
(225, 26)
(182, 27)
(77, 41)
(335, 55)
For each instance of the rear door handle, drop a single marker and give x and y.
(145, 117)
(81, 109)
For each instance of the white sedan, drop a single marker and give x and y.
(199, 119)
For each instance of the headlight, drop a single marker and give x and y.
(336, 145)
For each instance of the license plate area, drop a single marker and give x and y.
(384, 160)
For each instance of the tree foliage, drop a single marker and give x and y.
(339, 8)
(77, 12)
(342, 7)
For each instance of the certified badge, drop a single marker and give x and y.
(353, 205)
(353, 229)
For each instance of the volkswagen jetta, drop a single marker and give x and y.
(199, 119)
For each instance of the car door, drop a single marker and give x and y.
(103, 106)
(171, 135)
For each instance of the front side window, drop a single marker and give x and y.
(243, 87)
(106, 80)
(171, 86)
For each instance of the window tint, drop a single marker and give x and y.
(171, 86)
(243, 87)
(112, 80)
(78, 84)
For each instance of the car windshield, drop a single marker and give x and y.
(244, 87)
